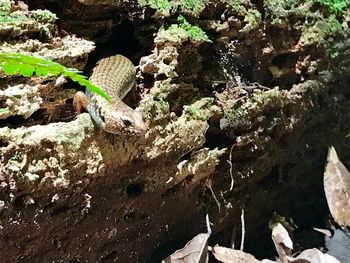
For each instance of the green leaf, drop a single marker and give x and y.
(26, 71)
(26, 66)
(91, 87)
(9, 68)
(41, 72)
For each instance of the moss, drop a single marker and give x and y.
(277, 10)
(238, 6)
(334, 5)
(201, 109)
(193, 111)
(162, 89)
(164, 7)
(320, 31)
(182, 32)
(5, 7)
(341, 52)
(42, 16)
(13, 157)
(252, 16)
(334, 25)
(155, 107)
(159, 98)
(194, 7)
(38, 16)
(21, 23)
(4, 111)
(242, 116)
(155, 110)
(73, 136)
(334, 53)
(252, 20)
(173, 34)
(317, 27)
(193, 32)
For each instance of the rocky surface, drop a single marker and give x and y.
(241, 101)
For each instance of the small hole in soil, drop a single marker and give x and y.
(2, 103)
(134, 189)
(60, 210)
(271, 181)
(111, 256)
(12, 122)
(189, 178)
(170, 191)
(280, 59)
(167, 61)
(186, 157)
(3, 143)
(19, 202)
(129, 216)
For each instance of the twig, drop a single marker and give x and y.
(208, 184)
(208, 224)
(233, 237)
(231, 168)
(243, 231)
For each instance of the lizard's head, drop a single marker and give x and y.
(128, 122)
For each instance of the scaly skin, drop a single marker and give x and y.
(115, 75)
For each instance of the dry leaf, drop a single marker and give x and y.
(298, 260)
(282, 241)
(339, 245)
(325, 232)
(195, 251)
(228, 255)
(313, 256)
(337, 188)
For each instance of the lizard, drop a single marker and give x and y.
(116, 76)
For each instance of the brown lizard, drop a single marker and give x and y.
(116, 76)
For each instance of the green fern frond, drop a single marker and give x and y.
(27, 66)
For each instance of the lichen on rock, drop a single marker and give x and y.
(22, 23)
(163, 61)
(165, 8)
(20, 99)
(34, 154)
(35, 31)
(179, 33)
(5, 7)
(169, 133)
(201, 164)
(176, 138)
(240, 115)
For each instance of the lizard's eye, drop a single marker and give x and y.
(126, 122)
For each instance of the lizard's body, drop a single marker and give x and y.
(115, 75)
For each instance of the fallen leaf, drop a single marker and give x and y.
(339, 245)
(298, 260)
(325, 232)
(228, 255)
(313, 256)
(337, 188)
(282, 241)
(195, 251)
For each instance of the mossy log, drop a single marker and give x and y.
(241, 101)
